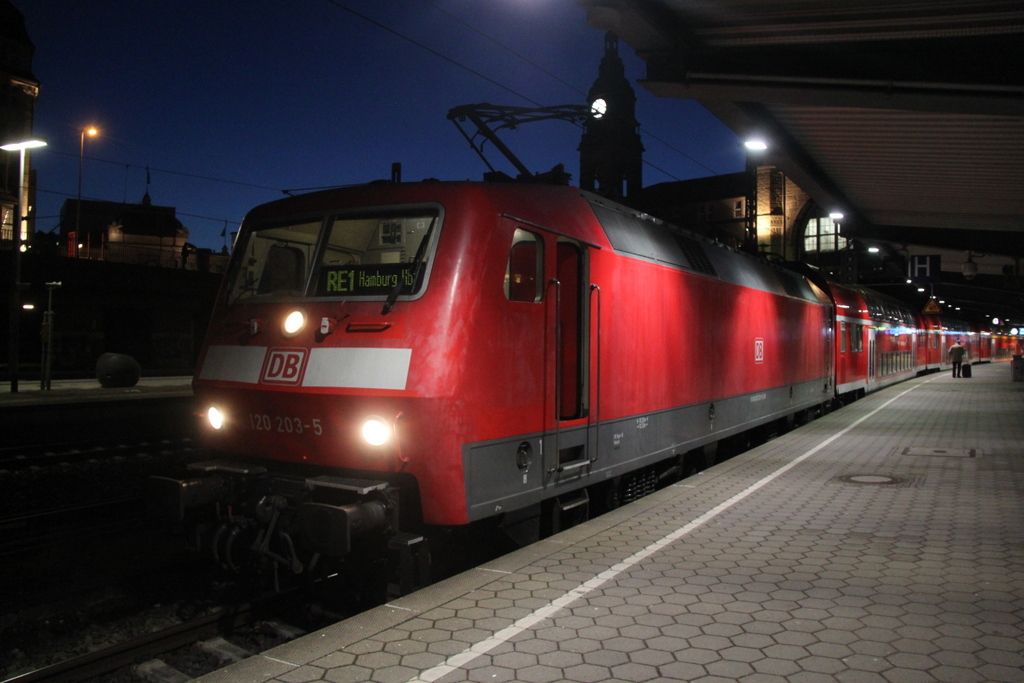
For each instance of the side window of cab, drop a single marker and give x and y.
(524, 274)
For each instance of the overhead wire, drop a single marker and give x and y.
(505, 47)
(379, 25)
(157, 170)
(432, 51)
(178, 213)
(170, 172)
(572, 87)
(341, 6)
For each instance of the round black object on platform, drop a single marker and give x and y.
(117, 370)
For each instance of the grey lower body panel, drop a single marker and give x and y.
(510, 474)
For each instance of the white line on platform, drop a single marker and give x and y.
(483, 647)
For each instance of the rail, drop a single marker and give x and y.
(125, 654)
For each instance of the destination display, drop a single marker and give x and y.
(369, 280)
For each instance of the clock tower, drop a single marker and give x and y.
(611, 155)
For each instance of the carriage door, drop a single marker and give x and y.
(569, 315)
(872, 355)
(830, 348)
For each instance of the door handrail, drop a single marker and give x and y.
(558, 364)
(597, 380)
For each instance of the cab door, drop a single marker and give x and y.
(569, 324)
(551, 271)
(570, 331)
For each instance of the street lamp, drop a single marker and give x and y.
(91, 131)
(16, 237)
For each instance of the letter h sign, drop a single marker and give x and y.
(923, 269)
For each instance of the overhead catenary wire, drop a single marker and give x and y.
(422, 46)
(170, 172)
(432, 51)
(455, 62)
(572, 87)
(507, 48)
(379, 25)
(156, 170)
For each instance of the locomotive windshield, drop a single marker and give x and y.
(367, 255)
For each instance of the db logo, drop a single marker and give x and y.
(283, 366)
(759, 350)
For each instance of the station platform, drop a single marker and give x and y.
(90, 390)
(882, 543)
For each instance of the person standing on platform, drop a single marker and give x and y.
(956, 356)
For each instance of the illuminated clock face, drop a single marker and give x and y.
(598, 107)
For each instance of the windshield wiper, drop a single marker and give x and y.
(417, 266)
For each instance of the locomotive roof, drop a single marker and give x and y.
(631, 233)
(639, 235)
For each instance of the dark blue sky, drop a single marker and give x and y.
(230, 102)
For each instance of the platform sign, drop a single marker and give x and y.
(932, 307)
(924, 269)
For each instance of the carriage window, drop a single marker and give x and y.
(856, 338)
(842, 337)
(524, 273)
(275, 261)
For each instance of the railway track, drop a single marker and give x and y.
(48, 478)
(178, 651)
(61, 454)
(38, 530)
(125, 654)
(110, 532)
(91, 591)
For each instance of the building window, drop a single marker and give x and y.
(821, 235)
(7, 224)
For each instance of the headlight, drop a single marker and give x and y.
(215, 417)
(376, 431)
(294, 322)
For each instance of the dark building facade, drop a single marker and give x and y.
(110, 298)
(715, 206)
(156, 315)
(141, 233)
(19, 90)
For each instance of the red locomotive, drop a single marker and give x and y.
(396, 359)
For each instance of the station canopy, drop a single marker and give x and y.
(906, 116)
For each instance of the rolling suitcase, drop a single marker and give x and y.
(965, 370)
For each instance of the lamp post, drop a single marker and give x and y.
(91, 131)
(47, 350)
(16, 230)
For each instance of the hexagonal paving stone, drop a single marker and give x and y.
(588, 673)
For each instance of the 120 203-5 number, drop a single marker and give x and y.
(283, 424)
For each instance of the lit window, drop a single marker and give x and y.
(524, 273)
(822, 235)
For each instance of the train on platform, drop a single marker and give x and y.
(389, 364)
